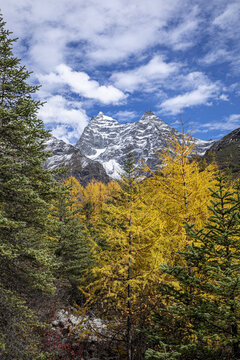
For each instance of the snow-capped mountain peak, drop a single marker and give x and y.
(101, 119)
(107, 141)
(149, 116)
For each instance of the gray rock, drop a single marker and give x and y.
(78, 165)
(107, 141)
(101, 151)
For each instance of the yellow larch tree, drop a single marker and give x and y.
(76, 193)
(179, 192)
(95, 194)
(127, 257)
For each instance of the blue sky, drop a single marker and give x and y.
(124, 57)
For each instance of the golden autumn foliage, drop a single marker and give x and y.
(94, 195)
(126, 259)
(179, 193)
(76, 189)
(133, 227)
(87, 202)
(126, 223)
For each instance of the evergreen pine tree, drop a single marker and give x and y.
(72, 249)
(25, 191)
(200, 313)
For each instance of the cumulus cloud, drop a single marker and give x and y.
(66, 118)
(81, 84)
(156, 69)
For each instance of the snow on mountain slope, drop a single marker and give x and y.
(107, 141)
(78, 165)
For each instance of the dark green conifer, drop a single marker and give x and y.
(25, 191)
(72, 249)
(200, 314)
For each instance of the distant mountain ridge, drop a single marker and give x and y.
(227, 152)
(106, 140)
(102, 148)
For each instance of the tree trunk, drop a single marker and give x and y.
(129, 304)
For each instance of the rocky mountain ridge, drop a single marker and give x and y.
(106, 140)
(226, 152)
(78, 165)
(102, 148)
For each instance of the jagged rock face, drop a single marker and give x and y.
(107, 141)
(78, 165)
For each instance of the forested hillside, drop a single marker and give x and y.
(131, 269)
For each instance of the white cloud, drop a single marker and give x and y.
(200, 96)
(107, 31)
(103, 31)
(66, 118)
(81, 84)
(228, 17)
(132, 27)
(62, 132)
(85, 34)
(223, 43)
(191, 81)
(125, 115)
(196, 89)
(217, 56)
(156, 69)
(228, 124)
(47, 48)
(224, 97)
(185, 33)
